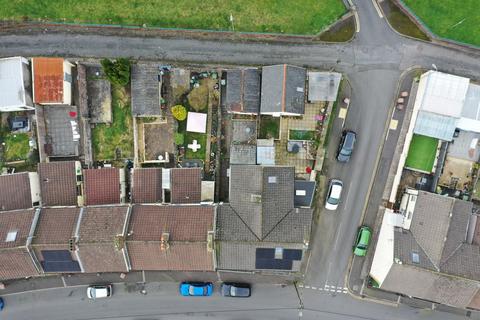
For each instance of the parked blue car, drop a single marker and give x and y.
(2, 304)
(188, 289)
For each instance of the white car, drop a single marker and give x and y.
(333, 195)
(99, 291)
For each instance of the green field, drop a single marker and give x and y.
(279, 16)
(422, 152)
(452, 19)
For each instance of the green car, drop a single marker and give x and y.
(363, 239)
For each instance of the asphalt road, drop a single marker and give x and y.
(373, 62)
(162, 301)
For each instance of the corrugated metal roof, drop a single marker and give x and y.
(444, 93)
(11, 82)
(435, 125)
(283, 89)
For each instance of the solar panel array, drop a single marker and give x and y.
(59, 261)
(265, 258)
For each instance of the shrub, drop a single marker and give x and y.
(179, 112)
(179, 139)
(118, 71)
(198, 97)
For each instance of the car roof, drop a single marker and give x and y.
(365, 234)
(350, 137)
(100, 292)
(336, 191)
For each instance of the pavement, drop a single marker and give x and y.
(373, 63)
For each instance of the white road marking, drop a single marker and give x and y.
(307, 287)
(375, 4)
(314, 288)
(327, 286)
(300, 285)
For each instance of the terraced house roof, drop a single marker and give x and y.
(15, 192)
(184, 230)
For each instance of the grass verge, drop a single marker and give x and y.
(452, 19)
(402, 22)
(115, 141)
(279, 16)
(422, 152)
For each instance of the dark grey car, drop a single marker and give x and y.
(240, 290)
(345, 148)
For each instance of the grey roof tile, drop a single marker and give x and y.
(243, 90)
(283, 89)
(145, 89)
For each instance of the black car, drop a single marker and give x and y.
(237, 290)
(345, 148)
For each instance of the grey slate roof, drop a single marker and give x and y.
(260, 203)
(241, 256)
(309, 188)
(433, 286)
(430, 222)
(447, 269)
(243, 90)
(471, 107)
(283, 89)
(260, 215)
(145, 89)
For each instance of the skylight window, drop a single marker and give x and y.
(272, 179)
(415, 257)
(11, 236)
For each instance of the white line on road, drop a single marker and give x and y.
(375, 4)
(327, 286)
(314, 288)
(307, 287)
(64, 282)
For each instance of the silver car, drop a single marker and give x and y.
(334, 194)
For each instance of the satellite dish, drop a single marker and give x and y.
(160, 157)
(248, 130)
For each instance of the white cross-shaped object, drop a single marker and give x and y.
(194, 146)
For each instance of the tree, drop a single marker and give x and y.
(118, 71)
(179, 112)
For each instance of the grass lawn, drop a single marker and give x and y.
(295, 17)
(301, 135)
(16, 147)
(452, 19)
(115, 141)
(201, 140)
(269, 127)
(422, 152)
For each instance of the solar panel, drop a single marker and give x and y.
(61, 266)
(56, 255)
(59, 261)
(276, 264)
(265, 253)
(292, 254)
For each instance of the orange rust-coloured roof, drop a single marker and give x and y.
(48, 80)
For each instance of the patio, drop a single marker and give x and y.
(155, 148)
(302, 153)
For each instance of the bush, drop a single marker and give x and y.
(179, 112)
(118, 71)
(179, 139)
(198, 97)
